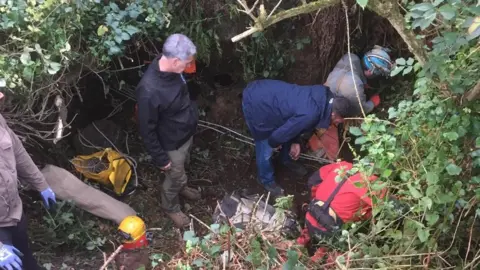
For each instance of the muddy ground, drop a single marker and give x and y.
(219, 165)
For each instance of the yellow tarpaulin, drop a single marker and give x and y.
(107, 167)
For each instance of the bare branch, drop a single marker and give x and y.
(387, 9)
(246, 9)
(474, 93)
(282, 15)
(273, 10)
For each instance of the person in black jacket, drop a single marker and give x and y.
(167, 120)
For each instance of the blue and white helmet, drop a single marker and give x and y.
(378, 61)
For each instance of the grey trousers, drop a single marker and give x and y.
(176, 177)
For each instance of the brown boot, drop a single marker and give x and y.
(180, 219)
(191, 193)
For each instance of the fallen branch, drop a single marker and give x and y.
(110, 259)
(474, 93)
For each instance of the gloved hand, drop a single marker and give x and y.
(48, 197)
(304, 238)
(10, 258)
(375, 99)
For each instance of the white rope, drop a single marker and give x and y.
(350, 57)
(245, 139)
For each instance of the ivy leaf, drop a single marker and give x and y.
(131, 30)
(400, 61)
(214, 249)
(114, 50)
(432, 218)
(360, 140)
(356, 131)
(125, 36)
(427, 203)
(102, 29)
(407, 70)
(432, 178)
(272, 253)
(292, 256)
(189, 236)
(414, 192)
(423, 234)
(423, 7)
(3, 82)
(198, 262)
(448, 12)
(28, 73)
(396, 70)
(133, 13)
(410, 61)
(362, 3)
(475, 153)
(451, 136)
(25, 58)
(90, 245)
(53, 67)
(453, 169)
(477, 142)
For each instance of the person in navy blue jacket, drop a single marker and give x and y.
(277, 113)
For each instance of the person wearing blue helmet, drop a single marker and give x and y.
(374, 63)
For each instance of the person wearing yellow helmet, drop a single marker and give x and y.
(134, 232)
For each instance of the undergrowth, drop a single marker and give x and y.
(427, 154)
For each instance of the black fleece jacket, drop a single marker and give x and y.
(167, 117)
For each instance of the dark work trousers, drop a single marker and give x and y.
(17, 236)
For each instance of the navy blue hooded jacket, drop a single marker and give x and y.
(281, 112)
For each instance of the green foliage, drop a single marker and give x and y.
(193, 22)
(67, 227)
(263, 56)
(362, 3)
(426, 152)
(43, 38)
(404, 65)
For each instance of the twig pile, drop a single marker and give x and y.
(228, 247)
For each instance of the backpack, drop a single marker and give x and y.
(107, 167)
(321, 219)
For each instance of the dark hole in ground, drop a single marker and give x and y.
(223, 79)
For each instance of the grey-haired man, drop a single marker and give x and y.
(167, 120)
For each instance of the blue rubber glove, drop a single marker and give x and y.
(10, 258)
(48, 197)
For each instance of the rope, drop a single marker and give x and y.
(350, 58)
(248, 140)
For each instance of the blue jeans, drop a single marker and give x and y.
(264, 154)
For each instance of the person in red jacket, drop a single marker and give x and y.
(334, 203)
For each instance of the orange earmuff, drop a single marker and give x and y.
(191, 68)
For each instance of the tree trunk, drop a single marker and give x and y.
(388, 9)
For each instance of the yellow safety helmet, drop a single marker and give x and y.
(133, 230)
